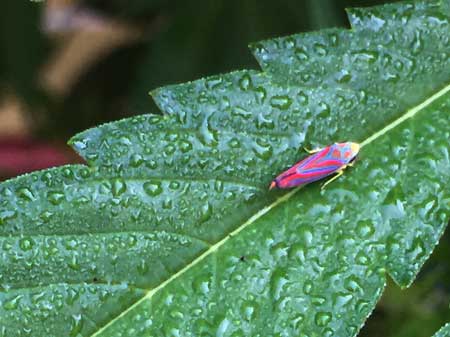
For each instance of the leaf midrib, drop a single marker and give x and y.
(410, 113)
(213, 248)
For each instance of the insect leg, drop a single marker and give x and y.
(312, 151)
(339, 173)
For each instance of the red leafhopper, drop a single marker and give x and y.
(320, 164)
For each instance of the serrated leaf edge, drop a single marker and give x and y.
(409, 114)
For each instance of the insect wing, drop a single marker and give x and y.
(312, 168)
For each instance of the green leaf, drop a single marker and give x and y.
(170, 229)
(443, 332)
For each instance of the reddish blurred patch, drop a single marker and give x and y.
(21, 155)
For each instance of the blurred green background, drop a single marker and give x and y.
(65, 70)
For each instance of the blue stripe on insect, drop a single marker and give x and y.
(331, 159)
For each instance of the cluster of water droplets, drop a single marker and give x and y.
(288, 262)
(292, 114)
(283, 267)
(403, 51)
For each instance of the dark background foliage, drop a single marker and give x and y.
(180, 41)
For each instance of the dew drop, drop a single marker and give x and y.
(320, 49)
(79, 145)
(167, 203)
(245, 82)
(76, 326)
(344, 76)
(302, 98)
(223, 327)
(262, 149)
(301, 54)
(264, 122)
(417, 250)
(323, 318)
(328, 332)
(365, 229)
(249, 309)
(234, 143)
(278, 282)
(324, 110)
(73, 263)
(289, 43)
(85, 172)
(368, 56)
(7, 215)
(281, 102)
(206, 212)
(13, 303)
(125, 141)
(142, 267)
(136, 160)
(152, 164)
(307, 287)
(214, 82)
(26, 194)
(67, 173)
(341, 299)
(218, 186)
(185, 146)
(26, 244)
(174, 185)
(208, 136)
(153, 188)
(241, 112)
(201, 284)
(260, 94)
(118, 187)
(55, 198)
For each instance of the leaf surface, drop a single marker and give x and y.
(443, 332)
(170, 229)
